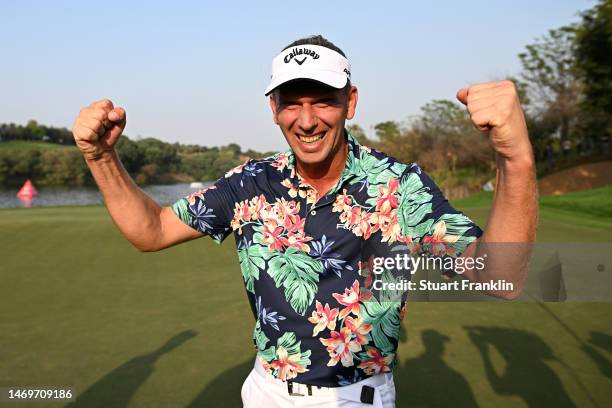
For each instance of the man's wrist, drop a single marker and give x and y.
(524, 163)
(101, 157)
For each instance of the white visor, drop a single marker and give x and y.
(310, 62)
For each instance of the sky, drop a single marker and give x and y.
(195, 72)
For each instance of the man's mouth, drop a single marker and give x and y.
(311, 138)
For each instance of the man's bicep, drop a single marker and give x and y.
(470, 253)
(174, 230)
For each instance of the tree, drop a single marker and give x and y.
(549, 70)
(130, 153)
(387, 131)
(444, 117)
(594, 59)
(358, 133)
(34, 131)
(447, 138)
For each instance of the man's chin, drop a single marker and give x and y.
(310, 157)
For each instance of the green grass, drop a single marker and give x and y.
(580, 216)
(596, 202)
(80, 307)
(31, 145)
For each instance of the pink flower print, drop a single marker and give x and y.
(341, 347)
(358, 328)
(351, 299)
(287, 364)
(439, 241)
(323, 317)
(387, 199)
(377, 363)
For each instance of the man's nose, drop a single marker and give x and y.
(307, 120)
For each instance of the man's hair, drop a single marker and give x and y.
(316, 40)
(323, 42)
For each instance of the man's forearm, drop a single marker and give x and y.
(136, 215)
(511, 228)
(514, 211)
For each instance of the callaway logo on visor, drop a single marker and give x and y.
(331, 67)
(300, 51)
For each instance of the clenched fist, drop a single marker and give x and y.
(495, 109)
(97, 128)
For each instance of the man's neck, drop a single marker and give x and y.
(323, 176)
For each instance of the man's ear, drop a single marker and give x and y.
(273, 107)
(352, 102)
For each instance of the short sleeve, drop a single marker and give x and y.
(429, 220)
(209, 210)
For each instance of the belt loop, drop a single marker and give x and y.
(309, 389)
(290, 387)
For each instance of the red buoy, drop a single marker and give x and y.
(27, 190)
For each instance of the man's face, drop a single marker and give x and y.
(311, 116)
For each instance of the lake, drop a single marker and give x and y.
(162, 194)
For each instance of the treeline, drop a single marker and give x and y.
(565, 87)
(443, 141)
(55, 160)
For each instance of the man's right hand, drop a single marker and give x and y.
(97, 128)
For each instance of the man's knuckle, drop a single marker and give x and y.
(98, 114)
(105, 104)
(508, 84)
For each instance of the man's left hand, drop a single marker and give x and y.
(495, 109)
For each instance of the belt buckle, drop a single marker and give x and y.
(297, 394)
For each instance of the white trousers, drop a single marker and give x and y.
(262, 390)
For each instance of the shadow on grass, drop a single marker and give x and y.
(602, 341)
(427, 380)
(526, 373)
(117, 388)
(225, 387)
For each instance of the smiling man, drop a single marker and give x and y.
(308, 221)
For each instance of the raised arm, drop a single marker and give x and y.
(148, 226)
(511, 229)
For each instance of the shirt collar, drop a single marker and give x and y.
(350, 171)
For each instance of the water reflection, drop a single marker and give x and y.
(26, 202)
(162, 194)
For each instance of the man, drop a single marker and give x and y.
(308, 221)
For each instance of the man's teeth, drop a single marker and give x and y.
(311, 139)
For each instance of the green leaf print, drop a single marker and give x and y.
(371, 167)
(390, 295)
(252, 258)
(414, 205)
(398, 169)
(260, 337)
(288, 341)
(298, 273)
(180, 208)
(385, 320)
(268, 354)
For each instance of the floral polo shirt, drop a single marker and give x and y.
(305, 262)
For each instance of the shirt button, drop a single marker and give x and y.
(313, 212)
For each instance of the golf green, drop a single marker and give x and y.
(81, 308)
